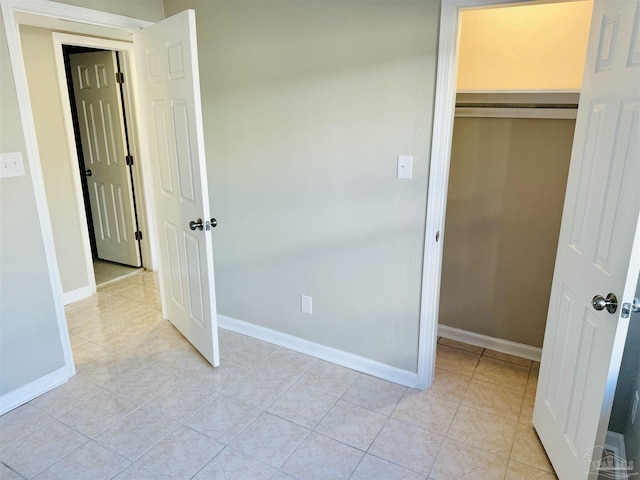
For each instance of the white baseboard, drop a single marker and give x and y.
(333, 355)
(614, 442)
(77, 294)
(484, 341)
(30, 391)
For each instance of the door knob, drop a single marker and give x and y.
(197, 224)
(610, 303)
(88, 172)
(214, 223)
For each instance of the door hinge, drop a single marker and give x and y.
(138, 235)
(119, 77)
(129, 159)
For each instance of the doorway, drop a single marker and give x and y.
(512, 138)
(95, 82)
(43, 50)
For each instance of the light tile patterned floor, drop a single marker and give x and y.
(145, 405)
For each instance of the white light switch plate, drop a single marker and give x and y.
(11, 165)
(405, 166)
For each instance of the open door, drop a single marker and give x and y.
(167, 62)
(100, 118)
(598, 254)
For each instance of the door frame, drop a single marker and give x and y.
(148, 254)
(88, 22)
(444, 112)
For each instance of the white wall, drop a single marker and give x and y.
(306, 106)
(30, 345)
(57, 169)
(530, 47)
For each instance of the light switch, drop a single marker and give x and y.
(11, 165)
(405, 166)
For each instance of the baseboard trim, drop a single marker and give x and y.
(614, 442)
(333, 355)
(484, 341)
(77, 294)
(28, 392)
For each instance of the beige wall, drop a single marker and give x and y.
(306, 106)
(30, 345)
(506, 191)
(150, 10)
(57, 170)
(534, 47)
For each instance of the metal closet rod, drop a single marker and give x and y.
(563, 106)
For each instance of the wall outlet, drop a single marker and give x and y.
(405, 167)
(306, 304)
(634, 409)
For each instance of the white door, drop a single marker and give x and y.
(167, 61)
(598, 250)
(104, 148)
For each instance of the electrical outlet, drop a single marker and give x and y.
(11, 165)
(306, 304)
(405, 166)
(634, 409)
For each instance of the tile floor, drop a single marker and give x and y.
(108, 271)
(145, 405)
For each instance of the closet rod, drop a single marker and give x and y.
(563, 106)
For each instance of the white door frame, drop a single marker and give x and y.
(124, 27)
(444, 112)
(148, 256)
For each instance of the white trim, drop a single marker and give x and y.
(143, 212)
(333, 355)
(499, 112)
(22, 395)
(78, 294)
(73, 159)
(37, 179)
(498, 344)
(47, 8)
(75, 14)
(444, 110)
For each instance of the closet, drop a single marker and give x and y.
(508, 174)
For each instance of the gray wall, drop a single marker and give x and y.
(30, 345)
(306, 106)
(628, 383)
(506, 193)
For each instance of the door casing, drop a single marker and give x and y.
(444, 112)
(142, 200)
(89, 22)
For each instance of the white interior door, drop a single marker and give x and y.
(166, 56)
(102, 134)
(598, 250)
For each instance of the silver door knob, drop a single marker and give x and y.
(197, 224)
(610, 303)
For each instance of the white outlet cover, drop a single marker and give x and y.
(405, 167)
(11, 165)
(306, 304)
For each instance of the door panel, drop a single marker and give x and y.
(170, 99)
(597, 249)
(101, 122)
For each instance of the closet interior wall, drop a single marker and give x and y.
(508, 174)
